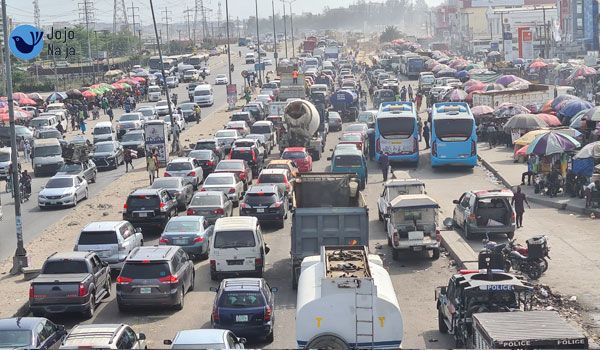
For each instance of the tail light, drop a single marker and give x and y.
(473, 148)
(163, 241)
(434, 149)
(169, 279)
(124, 280)
(253, 156)
(167, 174)
(472, 218)
(416, 145)
(83, 291)
(378, 146)
(268, 313)
(276, 205)
(191, 173)
(210, 163)
(231, 190)
(162, 205)
(31, 292)
(396, 238)
(190, 212)
(215, 314)
(218, 211)
(199, 239)
(242, 175)
(243, 205)
(438, 236)
(125, 206)
(202, 189)
(512, 217)
(258, 262)
(213, 265)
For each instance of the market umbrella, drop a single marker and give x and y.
(439, 67)
(19, 114)
(570, 108)
(593, 114)
(552, 143)
(518, 85)
(575, 122)
(518, 61)
(89, 94)
(35, 96)
(536, 65)
(521, 152)
(582, 72)
(472, 66)
(482, 110)
(472, 82)
(530, 136)
(550, 119)
(73, 93)
(475, 87)
(547, 107)
(507, 79)
(444, 60)
(508, 109)
(560, 98)
(56, 96)
(456, 95)
(524, 122)
(493, 87)
(463, 75)
(19, 95)
(591, 150)
(26, 101)
(447, 72)
(113, 73)
(493, 54)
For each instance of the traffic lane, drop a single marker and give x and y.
(36, 220)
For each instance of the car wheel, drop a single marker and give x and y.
(93, 179)
(193, 282)
(442, 327)
(87, 194)
(75, 201)
(89, 313)
(468, 234)
(269, 337)
(180, 304)
(107, 287)
(435, 254)
(380, 215)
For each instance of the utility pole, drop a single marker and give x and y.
(88, 13)
(167, 13)
(258, 44)
(228, 43)
(204, 23)
(274, 35)
(140, 38)
(292, 28)
(219, 21)
(188, 14)
(119, 16)
(36, 13)
(285, 30)
(133, 9)
(20, 257)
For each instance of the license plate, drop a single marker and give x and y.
(241, 318)
(260, 210)
(142, 215)
(145, 290)
(417, 248)
(180, 241)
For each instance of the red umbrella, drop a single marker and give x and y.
(538, 65)
(481, 110)
(547, 107)
(26, 101)
(521, 152)
(550, 119)
(117, 86)
(19, 114)
(475, 87)
(19, 95)
(88, 94)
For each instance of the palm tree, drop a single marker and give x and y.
(389, 33)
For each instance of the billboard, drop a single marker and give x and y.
(590, 24)
(525, 43)
(496, 3)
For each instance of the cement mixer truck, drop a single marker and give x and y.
(302, 120)
(346, 300)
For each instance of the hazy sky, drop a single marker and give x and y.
(68, 10)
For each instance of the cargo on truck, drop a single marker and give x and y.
(302, 121)
(525, 330)
(329, 210)
(346, 300)
(289, 89)
(535, 94)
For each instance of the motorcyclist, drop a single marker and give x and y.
(25, 181)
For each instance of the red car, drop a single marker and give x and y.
(300, 157)
(354, 138)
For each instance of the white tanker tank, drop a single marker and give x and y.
(346, 300)
(302, 120)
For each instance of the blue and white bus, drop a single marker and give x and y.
(453, 135)
(397, 132)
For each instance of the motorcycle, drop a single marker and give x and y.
(530, 260)
(24, 193)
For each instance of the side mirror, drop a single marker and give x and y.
(267, 249)
(141, 336)
(104, 263)
(214, 289)
(242, 340)
(455, 201)
(274, 289)
(167, 342)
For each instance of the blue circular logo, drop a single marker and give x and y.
(26, 42)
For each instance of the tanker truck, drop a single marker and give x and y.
(345, 102)
(302, 120)
(346, 300)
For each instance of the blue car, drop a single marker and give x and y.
(350, 160)
(30, 333)
(245, 306)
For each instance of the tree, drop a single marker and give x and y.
(389, 33)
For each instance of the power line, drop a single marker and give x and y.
(188, 14)
(36, 13)
(167, 13)
(120, 21)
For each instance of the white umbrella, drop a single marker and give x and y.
(590, 150)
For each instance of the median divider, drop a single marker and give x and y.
(459, 250)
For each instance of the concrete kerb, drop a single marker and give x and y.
(459, 250)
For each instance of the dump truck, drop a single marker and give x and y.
(535, 94)
(302, 120)
(329, 210)
(289, 89)
(346, 300)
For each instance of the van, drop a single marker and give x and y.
(250, 58)
(426, 80)
(154, 93)
(44, 120)
(350, 160)
(103, 131)
(47, 157)
(237, 248)
(111, 240)
(203, 95)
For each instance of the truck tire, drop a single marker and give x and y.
(380, 215)
(328, 341)
(317, 155)
(442, 327)
(467, 232)
(89, 313)
(294, 279)
(435, 254)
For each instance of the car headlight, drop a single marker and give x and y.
(70, 194)
(41, 196)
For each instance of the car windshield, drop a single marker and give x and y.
(219, 180)
(347, 161)
(97, 237)
(237, 117)
(47, 151)
(206, 145)
(49, 134)
(154, 89)
(147, 112)
(223, 165)
(161, 103)
(145, 270)
(38, 122)
(61, 182)
(4, 157)
(293, 155)
(242, 154)
(13, 339)
(135, 136)
(166, 183)
(220, 76)
(450, 130)
(206, 201)
(225, 133)
(271, 178)
(351, 137)
(201, 92)
(241, 299)
(102, 130)
(355, 128)
(138, 202)
(260, 198)
(187, 106)
(179, 166)
(129, 117)
(69, 167)
(401, 127)
(183, 226)
(103, 147)
(64, 266)
(260, 129)
(234, 239)
(201, 155)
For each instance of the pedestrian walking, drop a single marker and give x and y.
(384, 164)
(128, 159)
(104, 104)
(295, 76)
(82, 126)
(197, 113)
(518, 200)
(418, 101)
(27, 151)
(426, 132)
(73, 122)
(110, 113)
(156, 162)
(410, 92)
(151, 167)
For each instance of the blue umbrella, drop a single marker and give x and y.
(561, 98)
(571, 108)
(518, 61)
(552, 143)
(463, 74)
(56, 96)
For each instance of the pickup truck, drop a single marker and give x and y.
(329, 210)
(70, 282)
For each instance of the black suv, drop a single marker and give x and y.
(211, 144)
(243, 116)
(155, 276)
(151, 208)
(207, 158)
(251, 155)
(266, 203)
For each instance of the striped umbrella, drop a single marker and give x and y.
(552, 143)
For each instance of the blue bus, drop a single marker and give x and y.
(453, 135)
(397, 132)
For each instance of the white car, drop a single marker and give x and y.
(267, 61)
(162, 107)
(172, 82)
(104, 336)
(62, 190)
(179, 121)
(205, 339)
(221, 79)
(228, 183)
(266, 98)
